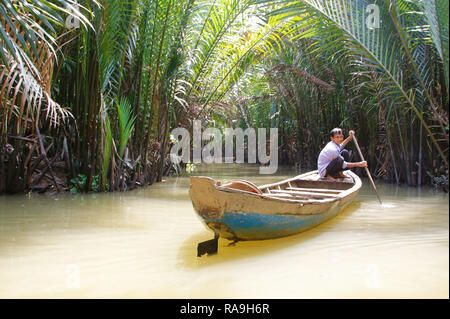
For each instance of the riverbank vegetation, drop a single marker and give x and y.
(90, 91)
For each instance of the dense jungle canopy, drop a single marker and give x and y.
(90, 91)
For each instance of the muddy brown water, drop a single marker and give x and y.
(142, 244)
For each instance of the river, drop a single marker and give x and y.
(143, 244)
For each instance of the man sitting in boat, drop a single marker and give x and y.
(334, 159)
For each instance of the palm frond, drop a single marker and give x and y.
(126, 124)
(436, 13)
(107, 148)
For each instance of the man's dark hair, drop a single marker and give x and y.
(335, 131)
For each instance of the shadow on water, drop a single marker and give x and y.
(187, 254)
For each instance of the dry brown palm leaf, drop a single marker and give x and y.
(23, 98)
(25, 91)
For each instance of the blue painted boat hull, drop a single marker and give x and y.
(255, 226)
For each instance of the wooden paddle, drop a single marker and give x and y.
(367, 169)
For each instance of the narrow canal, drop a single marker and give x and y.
(142, 244)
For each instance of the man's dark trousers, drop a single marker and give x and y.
(335, 165)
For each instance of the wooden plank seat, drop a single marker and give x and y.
(285, 195)
(307, 194)
(315, 190)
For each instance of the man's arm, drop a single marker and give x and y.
(350, 136)
(357, 164)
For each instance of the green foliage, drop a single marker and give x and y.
(393, 53)
(191, 168)
(436, 14)
(96, 183)
(135, 69)
(78, 184)
(126, 124)
(106, 152)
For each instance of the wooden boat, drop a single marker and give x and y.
(242, 211)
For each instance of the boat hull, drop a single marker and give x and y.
(238, 215)
(255, 226)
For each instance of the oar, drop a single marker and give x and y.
(367, 169)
